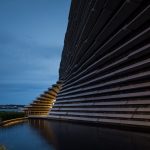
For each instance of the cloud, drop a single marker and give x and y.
(24, 55)
(26, 67)
(31, 40)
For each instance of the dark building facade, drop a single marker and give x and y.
(105, 66)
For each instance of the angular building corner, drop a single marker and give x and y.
(105, 65)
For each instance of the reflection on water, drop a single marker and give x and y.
(23, 137)
(53, 135)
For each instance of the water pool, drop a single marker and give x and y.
(54, 135)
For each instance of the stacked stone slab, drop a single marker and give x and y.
(105, 66)
(43, 104)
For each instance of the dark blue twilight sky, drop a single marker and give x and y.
(31, 40)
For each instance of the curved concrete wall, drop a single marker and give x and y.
(105, 66)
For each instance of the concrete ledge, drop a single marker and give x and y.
(12, 121)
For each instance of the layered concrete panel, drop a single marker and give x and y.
(105, 65)
(43, 104)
